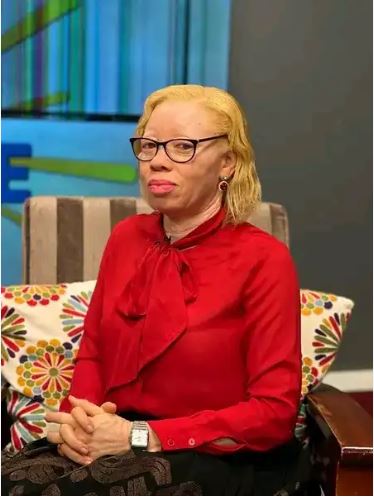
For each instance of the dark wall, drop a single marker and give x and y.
(302, 70)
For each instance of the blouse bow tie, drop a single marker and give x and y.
(163, 275)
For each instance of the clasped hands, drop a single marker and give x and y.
(91, 431)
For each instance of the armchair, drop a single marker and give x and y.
(63, 240)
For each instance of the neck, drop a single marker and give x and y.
(178, 228)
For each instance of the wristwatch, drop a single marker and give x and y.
(139, 435)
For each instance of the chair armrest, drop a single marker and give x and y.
(341, 434)
(338, 415)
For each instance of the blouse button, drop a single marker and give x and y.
(191, 442)
(171, 442)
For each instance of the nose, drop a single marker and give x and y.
(161, 160)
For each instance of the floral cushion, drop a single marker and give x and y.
(42, 327)
(324, 318)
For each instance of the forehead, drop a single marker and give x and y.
(180, 118)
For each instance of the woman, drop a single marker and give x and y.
(193, 333)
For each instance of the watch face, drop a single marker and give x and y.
(139, 438)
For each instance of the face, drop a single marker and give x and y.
(187, 188)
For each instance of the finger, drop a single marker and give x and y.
(109, 407)
(90, 408)
(82, 419)
(68, 436)
(54, 437)
(74, 456)
(59, 417)
(59, 450)
(82, 436)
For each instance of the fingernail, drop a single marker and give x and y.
(90, 428)
(84, 450)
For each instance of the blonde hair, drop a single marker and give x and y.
(244, 191)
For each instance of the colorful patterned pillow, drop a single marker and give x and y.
(41, 331)
(324, 318)
(41, 327)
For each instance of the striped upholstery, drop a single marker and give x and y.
(64, 237)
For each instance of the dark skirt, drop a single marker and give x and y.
(39, 470)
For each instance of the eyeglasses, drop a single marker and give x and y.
(178, 150)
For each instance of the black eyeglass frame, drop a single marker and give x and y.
(194, 142)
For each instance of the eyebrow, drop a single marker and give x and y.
(152, 137)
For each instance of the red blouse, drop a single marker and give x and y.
(204, 334)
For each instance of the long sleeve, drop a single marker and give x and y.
(87, 380)
(273, 362)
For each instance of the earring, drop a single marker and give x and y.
(223, 184)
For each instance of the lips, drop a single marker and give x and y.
(160, 187)
(160, 182)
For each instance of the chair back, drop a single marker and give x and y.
(64, 237)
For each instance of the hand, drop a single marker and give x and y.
(70, 438)
(225, 442)
(110, 433)
(74, 431)
(154, 444)
(116, 446)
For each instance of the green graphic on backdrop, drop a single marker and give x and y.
(110, 172)
(41, 102)
(11, 215)
(36, 21)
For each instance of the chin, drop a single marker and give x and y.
(164, 205)
(160, 204)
